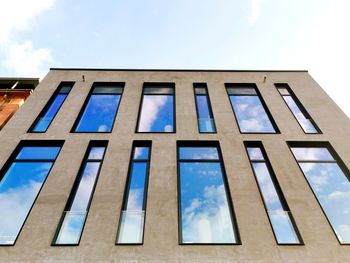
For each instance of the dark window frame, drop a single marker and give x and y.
(202, 143)
(48, 105)
(136, 143)
(336, 157)
(259, 144)
(87, 99)
(205, 86)
(72, 193)
(262, 101)
(300, 106)
(12, 159)
(157, 84)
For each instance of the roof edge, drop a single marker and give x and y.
(175, 70)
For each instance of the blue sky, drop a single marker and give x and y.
(215, 34)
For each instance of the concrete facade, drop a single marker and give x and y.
(161, 226)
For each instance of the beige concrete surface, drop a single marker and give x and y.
(161, 226)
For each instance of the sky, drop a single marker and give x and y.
(197, 34)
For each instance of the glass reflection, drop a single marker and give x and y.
(45, 118)
(133, 211)
(38, 153)
(332, 189)
(141, 153)
(19, 188)
(205, 212)
(96, 153)
(305, 123)
(74, 216)
(99, 113)
(251, 115)
(312, 154)
(277, 208)
(157, 114)
(210, 153)
(205, 117)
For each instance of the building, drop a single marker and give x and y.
(13, 92)
(175, 166)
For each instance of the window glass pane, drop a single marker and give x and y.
(38, 153)
(332, 189)
(267, 187)
(137, 186)
(251, 115)
(99, 113)
(18, 191)
(312, 154)
(157, 114)
(108, 90)
(304, 122)
(205, 213)
(19, 187)
(200, 91)
(96, 153)
(131, 227)
(205, 118)
(241, 91)
(73, 218)
(159, 90)
(205, 153)
(255, 153)
(283, 227)
(44, 121)
(82, 195)
(71, 227)
(65, 89)
(132, 218)
(283, 91)
(141, 153)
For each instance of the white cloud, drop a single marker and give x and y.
(25, 60)
(256, 6)
(14, 205)
(20, 56)
(339, 195)
(18, 15)
(151, 107)
(207, 219)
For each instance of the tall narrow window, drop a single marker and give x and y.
(250, 109)
(22, 178)
(205, 117)
(205, 209)
(157, 112)
(132, 218)
(303, 117)
(328, 178)
(75, 213)
(100, 108)
(49, 112)
(277, 209)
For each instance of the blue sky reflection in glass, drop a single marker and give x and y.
(77, 207)
(249, 111)
(20, 186)
(205, 117)
(46, 118)
(100, 111)
(330, 185)
(206, 216)
(276, 206)
(299, 112)
(157, 110)
(133, 212)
